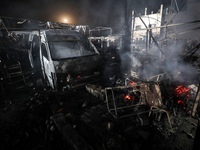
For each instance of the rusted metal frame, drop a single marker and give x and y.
(124, 107)
(127, 106)
(143, 112)
(127, 79)
(113, 97)
(138, 113)
(118, 108)
(158, 77)
(108, 108)
(157, 108)
(107, 101)
(115, 107)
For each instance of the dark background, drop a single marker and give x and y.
(109, 13)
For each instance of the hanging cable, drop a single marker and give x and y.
(178, 11)
(8, 31)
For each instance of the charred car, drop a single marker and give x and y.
(67, 58)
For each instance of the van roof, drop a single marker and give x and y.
(59, 33)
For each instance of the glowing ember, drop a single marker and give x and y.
(128, 98)
(132, 83)
(181, 90)
(183, 94)
(180, 101)
(78, 76)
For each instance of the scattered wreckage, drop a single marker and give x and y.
(170, 99)
(172, 107)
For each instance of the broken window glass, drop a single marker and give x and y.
(70, 48)
(44, 51)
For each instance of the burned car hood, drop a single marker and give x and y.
(78, 65)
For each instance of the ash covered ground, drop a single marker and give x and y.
(30, 123)
(37, 117)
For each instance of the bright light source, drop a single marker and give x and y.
(65, 20)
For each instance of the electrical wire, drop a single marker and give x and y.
(178, 11)
(8, 31)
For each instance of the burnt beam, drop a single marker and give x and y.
(196, 101)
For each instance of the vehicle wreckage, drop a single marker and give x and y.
(120, 111)
(62, 57)
(67, 58)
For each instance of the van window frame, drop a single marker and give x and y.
(44, 51)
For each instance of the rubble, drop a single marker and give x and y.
(154, 105)
(196, 102)
(96, 90)
(187, 130)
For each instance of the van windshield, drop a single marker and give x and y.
(70, 48)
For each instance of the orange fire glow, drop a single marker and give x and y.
(181, 90)
(127, 97)
(180, 101)
(183, 93)
(132, 83)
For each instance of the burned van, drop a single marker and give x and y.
(67, 58)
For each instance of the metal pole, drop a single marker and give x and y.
(147, 39)
(132, 26)
(196, 101)
(151, 35)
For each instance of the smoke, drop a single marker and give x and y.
(171, 65)
(24, 9)
(89, 12)
(102, 13)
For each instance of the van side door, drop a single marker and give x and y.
(47, 65)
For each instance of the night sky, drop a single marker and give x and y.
(87, 12)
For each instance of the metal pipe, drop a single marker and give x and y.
(151, 35)
(163, 111)
(127, 106)
(196, 101)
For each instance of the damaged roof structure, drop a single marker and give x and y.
(60, 90)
